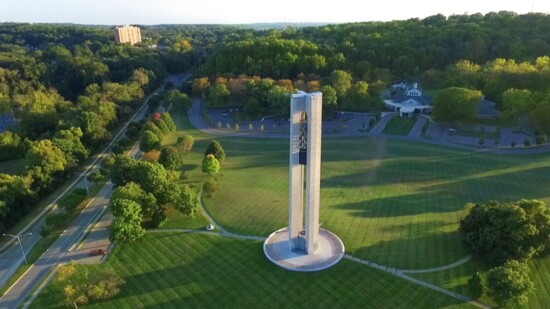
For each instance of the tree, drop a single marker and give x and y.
(218, 95)
(515, 102)
(215, 148)
(329, 98)
(180, 100)
(341, 82)
(82, 286)
(200, 85)
(123, 169)
(510, 283)
(149, 141)
(103, 285)
(40, 111)
(69, 142)
(357, 95)
(168, 122)
(185, 143)
(187, 200)
(455, 104)
(133, 191)
(46, 155)
(11, 146)
(278, 99)
(210, 187)
(210, 165)
(126, 226)
(170, 158)
(496, 232)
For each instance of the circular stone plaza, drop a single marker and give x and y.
(330, 251)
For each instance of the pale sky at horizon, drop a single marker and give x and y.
(115, 12)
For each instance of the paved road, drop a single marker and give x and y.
(57, 253)
(416, 130)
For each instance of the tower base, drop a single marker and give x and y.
(329, 252)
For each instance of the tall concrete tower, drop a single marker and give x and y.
(303, 245)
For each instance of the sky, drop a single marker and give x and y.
(115, 12)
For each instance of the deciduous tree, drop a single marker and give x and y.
(455, 104)
(510, 283)
(170, 158)
(215, 148)
(210, 165)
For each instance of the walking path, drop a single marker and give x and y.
(463, 260)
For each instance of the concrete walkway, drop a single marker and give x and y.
(379, 127)
(416, 130)
(463, 260)
(401, 274)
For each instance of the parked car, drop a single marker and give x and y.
(95, 252)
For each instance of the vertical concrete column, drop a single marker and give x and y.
(296, 180)
(314, 107)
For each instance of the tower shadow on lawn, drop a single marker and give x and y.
(431, 249)
(404, 205)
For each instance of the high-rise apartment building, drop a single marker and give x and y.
(127, 34)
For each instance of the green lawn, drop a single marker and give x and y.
(177, 220)
(392, 202)
(175, 270)
(13, 167)
(399, 126)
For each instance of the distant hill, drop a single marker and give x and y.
(266, 26)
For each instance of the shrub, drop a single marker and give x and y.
(185, 143)
(210, 187)
(475, 284)
(513, 144)
(215, 148)
(527, 142)
(117, 149)
(481, 141)
(71, 200)
(96, 176)
(497, 142)
(151, 156)
(540, 139)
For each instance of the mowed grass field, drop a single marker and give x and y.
(399, 126)
(392, 202)
(175, 270)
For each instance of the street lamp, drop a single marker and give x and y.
(86, 184)
(20, 245)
